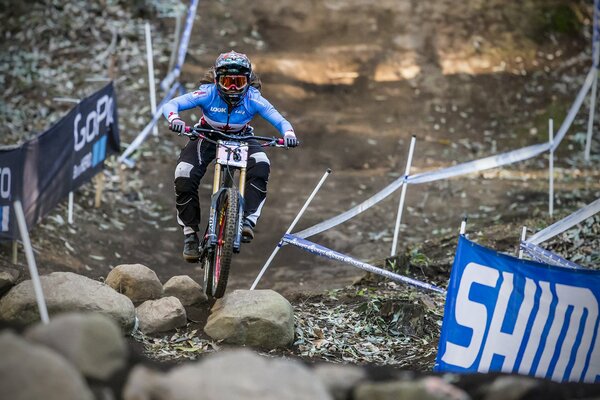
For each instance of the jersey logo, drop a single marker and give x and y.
(199, 93)
(218, 109)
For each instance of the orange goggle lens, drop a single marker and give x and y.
(233, 82)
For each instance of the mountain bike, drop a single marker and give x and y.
(223, 236)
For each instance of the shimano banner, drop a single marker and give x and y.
(45, 169)
(511, 315)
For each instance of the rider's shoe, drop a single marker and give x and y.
(191, 248)
(247, 232)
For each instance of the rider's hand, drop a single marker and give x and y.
(289, 139)
(177, 125)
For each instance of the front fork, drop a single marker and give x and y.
(212, 234)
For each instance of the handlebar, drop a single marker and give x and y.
(195, 132)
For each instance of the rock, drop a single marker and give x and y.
(144, 384)
(230, 375)
(29, 371)
(510, 388)
(261, 318)
(8, 278)
(340, 379)
(64, 292)
(91, 342)
(135, 281)
(161, 315)
(430, 388)
(187, 290)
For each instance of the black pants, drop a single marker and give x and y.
(191, 167)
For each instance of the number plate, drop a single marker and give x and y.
(234, 154)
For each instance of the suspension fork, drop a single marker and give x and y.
(212, 219)
(237, 242)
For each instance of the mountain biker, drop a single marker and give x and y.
(228, 102)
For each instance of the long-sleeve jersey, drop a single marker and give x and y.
(217, 114)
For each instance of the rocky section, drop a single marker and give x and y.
(261, 318)
(64, 292)
(135, 281)
(31, 370)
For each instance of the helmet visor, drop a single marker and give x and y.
(233, 83)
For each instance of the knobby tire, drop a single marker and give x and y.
(226, 227)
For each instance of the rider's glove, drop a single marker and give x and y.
(289, 139)
(176, 124)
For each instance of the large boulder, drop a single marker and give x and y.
(430, 388)
(135, 281)
(229, 375)
(187, 290)
(261, 318)
(161, 315)
(8, 278)
(340, 379)
(91, 342)
(29, 371)
(64, 292)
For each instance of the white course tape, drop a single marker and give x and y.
(589, 79)
(566, 223)
(547, 257)
(456, 170)
(482, 164)
(183, 45)
(147, 129)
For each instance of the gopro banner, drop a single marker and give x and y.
(45, 169)
(11, 166)
(518, 316)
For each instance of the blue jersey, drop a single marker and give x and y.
(215, 109)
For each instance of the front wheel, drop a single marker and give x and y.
(216, 268)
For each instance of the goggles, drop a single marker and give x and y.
(233, 82)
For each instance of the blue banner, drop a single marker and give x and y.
(518, 316)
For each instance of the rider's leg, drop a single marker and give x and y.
(257, 176)
(191, 167)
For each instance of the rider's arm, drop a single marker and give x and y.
(189, 100)
(268, 112)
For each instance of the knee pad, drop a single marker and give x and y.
(260, 171)
(185, 185)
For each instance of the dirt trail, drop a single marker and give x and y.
(356, 79)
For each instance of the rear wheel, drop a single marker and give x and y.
(220, 258)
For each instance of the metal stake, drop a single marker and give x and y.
(596, 65)
(551, 169)
(523, 236)
(151, 82)
(289, 230)
(403, 195)
(33, 271)
(70, 212)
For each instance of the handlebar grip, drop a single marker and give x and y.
(280, 142)
(188, 129)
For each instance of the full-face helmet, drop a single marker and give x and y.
(232, 76)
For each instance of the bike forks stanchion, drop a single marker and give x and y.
(403, 195)
(308, 201)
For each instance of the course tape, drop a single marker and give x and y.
(545, 256)
(460, 169)
(147, 129)
(566, 223)
(334, 255)
(183, 45)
